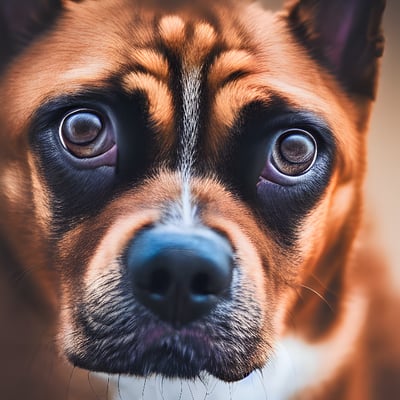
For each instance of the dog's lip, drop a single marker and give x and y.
(157, 348)
(204, 358)
(155, 336)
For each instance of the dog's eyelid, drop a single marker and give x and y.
(260, 121)
(309, 122)
(54, 107)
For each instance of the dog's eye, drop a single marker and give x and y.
(85, 134)
(294, 152)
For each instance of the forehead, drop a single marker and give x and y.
(240, 53)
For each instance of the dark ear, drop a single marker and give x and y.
(21, 21)
(345, 35)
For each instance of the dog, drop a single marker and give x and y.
(181, 201)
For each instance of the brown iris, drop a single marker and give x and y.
(295, 152)
(84, 134)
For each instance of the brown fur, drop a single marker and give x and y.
(302, 288)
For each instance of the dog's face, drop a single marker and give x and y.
(174, 176)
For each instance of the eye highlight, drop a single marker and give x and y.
(85, 133)
(294, 152)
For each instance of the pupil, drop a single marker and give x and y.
(297, 148)
(82, 127)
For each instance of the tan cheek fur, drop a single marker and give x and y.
(25, 200)
(115, 240)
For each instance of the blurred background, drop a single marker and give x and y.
(383, 183)
(383, 178)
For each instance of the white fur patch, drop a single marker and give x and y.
(191, 94)
(183, 212)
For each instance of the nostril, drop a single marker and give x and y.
(200, 285)
(160, 282)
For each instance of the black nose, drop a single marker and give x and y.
(180, 275)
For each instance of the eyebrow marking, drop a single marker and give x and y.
(172, 31)
(228, 103)
(230, 63)
(201, 44)
(161, 107)
(152, 62)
